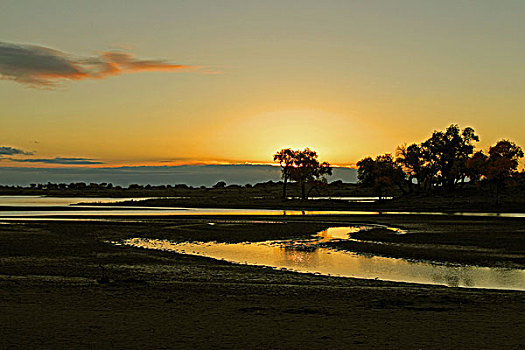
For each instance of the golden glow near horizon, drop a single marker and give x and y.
(175, 82)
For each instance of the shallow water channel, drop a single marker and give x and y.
(112, 211)
(44, 201)
(307, 256)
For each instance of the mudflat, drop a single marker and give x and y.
(64, 285)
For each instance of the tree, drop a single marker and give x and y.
(477, 167)
(413, 161)
(286, 158)
(380, 174)
(502, 163)
(447, 153)
(220, 184)
(308, 169)
(302, 167)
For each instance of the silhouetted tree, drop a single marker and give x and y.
(302, 167)
(286, 158)
(502, 163)
(77, 186)
(220, 184)
(447, 153)
(380, 174)
(477, 167)
(413, 161)
(307, 169)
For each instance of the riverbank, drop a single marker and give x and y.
(268, 196)
(63, 285)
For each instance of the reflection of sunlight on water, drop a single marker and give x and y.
(346, 199)
(332, 233)
(101, 211)
(39, 201)
(396, 230)
(299, 258)
(307, 256)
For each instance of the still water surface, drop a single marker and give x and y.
(43, 201)
(300, 256)
(307, 256)
(347, 199)
(39, 201)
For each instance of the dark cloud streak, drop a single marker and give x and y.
(6, 150)
(58, 160)
(39, 66)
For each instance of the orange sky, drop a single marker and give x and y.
(174, 82)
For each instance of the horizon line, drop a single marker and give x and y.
(154, 164)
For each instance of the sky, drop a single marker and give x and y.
(136, 83)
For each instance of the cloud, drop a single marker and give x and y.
(39, 66)
(5, 150)
(58, 160)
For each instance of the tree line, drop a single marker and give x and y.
(446, 161)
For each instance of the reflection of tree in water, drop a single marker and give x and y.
(300, 255)
(470, 276)
(455, 277)
(508, 276)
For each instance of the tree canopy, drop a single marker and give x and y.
(303, 167)
(286, 158)
(380, 173)
(446, 160)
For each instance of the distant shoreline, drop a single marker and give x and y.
(268, 195)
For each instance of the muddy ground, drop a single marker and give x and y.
(62, 285)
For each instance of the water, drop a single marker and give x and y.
(348, 199)
(42, 201)
(306, 256)
(302, 256)
(158, 211)
(39, 201)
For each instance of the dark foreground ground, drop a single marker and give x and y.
(63, 286)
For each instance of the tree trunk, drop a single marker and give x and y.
(401, 188)
(411, 184)
(309, 192)
(285, 180)
(497, 193)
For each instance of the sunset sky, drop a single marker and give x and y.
(112, 83)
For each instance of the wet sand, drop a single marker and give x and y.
(62, 286)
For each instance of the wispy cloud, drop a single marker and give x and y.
(39, 66)
(10, 151)
(58, 160)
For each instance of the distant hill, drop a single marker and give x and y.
(192, 175)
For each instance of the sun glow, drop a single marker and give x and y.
(259, 136)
